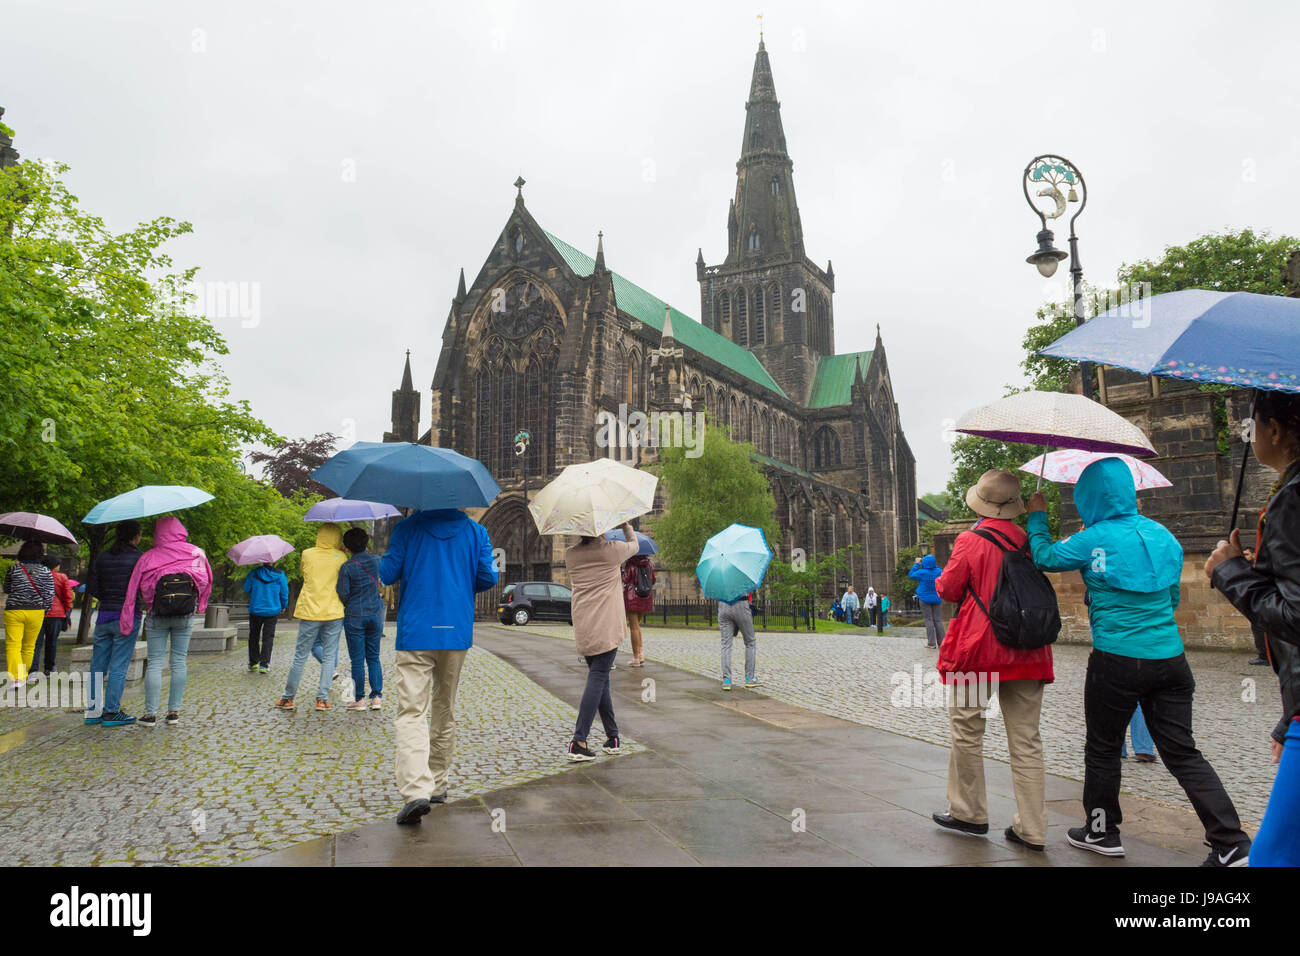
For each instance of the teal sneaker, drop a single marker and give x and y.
(752, 682)
(726, 683)
(94, 720)
(120, 719)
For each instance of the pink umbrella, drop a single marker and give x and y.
(260, 549)
(1066, 465)
(30, 526)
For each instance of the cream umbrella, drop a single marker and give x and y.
(1058, 420)
(593, 497)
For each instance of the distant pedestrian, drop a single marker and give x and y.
(1144, 748)
(30, 587)
(925, 572)
(320, 615)
(363, 619)
(638, 600)
(1131, 566)
(594, 573)
(442, 559)
(110, 576)
(738, 617)
(267, 588)
(1264, 585)
(871, 600)
(975, 666)
(849, 601)
(56, 618)
(174, 581)
(883, 610)
(836, 611)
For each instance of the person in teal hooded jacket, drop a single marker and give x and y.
(267, 588)
(1131, 566)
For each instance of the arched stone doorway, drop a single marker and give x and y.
(508, 524)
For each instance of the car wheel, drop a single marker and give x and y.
(522, 616)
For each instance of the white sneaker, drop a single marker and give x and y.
(376, 703)
(356, 704)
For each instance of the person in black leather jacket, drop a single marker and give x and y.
(1265, 587)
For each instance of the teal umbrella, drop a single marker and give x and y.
(145, 501)
(733, 562)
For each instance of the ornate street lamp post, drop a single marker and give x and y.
(522, 439)
(1056, 184)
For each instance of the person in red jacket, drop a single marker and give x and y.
(637, 605)
(976, 665)
(56, 618)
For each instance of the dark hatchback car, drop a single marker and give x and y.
(535, 601)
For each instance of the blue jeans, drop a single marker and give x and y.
(110, 658)
(309, 632)
(157, 632)
(363, 635)
(595, 697)
(1278, 841)
(1142, 742)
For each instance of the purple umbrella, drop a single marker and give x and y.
(30, 526)
(260, 549)
(348, 509)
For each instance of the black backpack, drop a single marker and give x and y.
(175, 595)
(645, 580)
(1023, 610)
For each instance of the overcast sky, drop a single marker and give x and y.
(347, 159)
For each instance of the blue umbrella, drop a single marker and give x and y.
(145, 501)
(1226, 338)
(347, 509)
(1195, 335)
(408, 475)
(647, 543)
(733, 562)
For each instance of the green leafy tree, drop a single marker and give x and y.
(1242, 261)
(720, 487)
(972, 456)
(804, 581)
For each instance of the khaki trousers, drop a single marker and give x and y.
(1020, 702)
(426, 720)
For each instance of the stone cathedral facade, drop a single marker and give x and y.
(547, 338)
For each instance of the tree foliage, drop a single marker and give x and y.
(723, 486)
(288, 465)
(804, 581)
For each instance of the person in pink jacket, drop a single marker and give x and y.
(174, 580)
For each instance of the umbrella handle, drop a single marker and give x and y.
(1241, 477)
(1042, 467)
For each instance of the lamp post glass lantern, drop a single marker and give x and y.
(1052, 185)
(522, 440)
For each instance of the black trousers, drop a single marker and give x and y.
(261, 637)
(47, 643)
(1115, 685)
(1261, 638)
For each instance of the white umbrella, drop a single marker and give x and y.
(1058, 420)
(593, 497)
(1065, 465)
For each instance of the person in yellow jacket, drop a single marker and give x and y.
(320, 614)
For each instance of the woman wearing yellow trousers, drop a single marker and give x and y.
(30, 587)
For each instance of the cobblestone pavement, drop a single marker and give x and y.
(236, 778)
(867, 679)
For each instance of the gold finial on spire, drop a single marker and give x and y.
(760, 28)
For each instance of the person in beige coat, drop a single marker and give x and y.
(595, 575)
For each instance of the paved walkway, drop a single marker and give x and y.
(726, 779)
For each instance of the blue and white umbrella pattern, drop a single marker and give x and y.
(733, 562)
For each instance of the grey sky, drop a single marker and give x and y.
(909, 125)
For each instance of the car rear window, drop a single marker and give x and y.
(505, 595)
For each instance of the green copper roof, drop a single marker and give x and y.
(833, 383)
(765, 460)
(640, 304)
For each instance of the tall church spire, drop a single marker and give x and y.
(766, 217)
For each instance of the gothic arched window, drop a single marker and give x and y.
(506, 442)
(724, 313)
(535, 415)
(632, 391)
(760, 317)
(826, 448)
(733, 418)
(742, 317)
(753, 239)
(776, 186)
(483, 418)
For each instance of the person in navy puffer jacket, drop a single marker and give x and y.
(363, 618)
(267, 588)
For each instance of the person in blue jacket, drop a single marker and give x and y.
(442, 559)
(363, 618)
(1131, 566)
(925, 572)
(267, 588)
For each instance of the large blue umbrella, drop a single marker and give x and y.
(733, 562)
(408, 475)
(647, 543)
(1232, 338)
(1225, 338)
(145, 501)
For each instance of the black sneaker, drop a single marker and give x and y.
(148, 720)
(948, 821)
(412, 812)
(173, 718)
(1259, 661)
(1107, 844)
(612, 746)
(439, 797)
(578, 752)
(120, 719)
(1014, 837)
(1237, 856)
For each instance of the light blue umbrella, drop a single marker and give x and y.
(145, 501)
(407, 475)
(647, 543)
(346, 509)
(733, 562)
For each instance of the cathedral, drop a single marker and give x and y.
(551, 342)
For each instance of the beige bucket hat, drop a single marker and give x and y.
(996, 495)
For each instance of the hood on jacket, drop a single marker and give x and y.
(330, 536)
(440, 522)
(1138, 554)
(169, 530)
(266, 575)
(929, 563)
